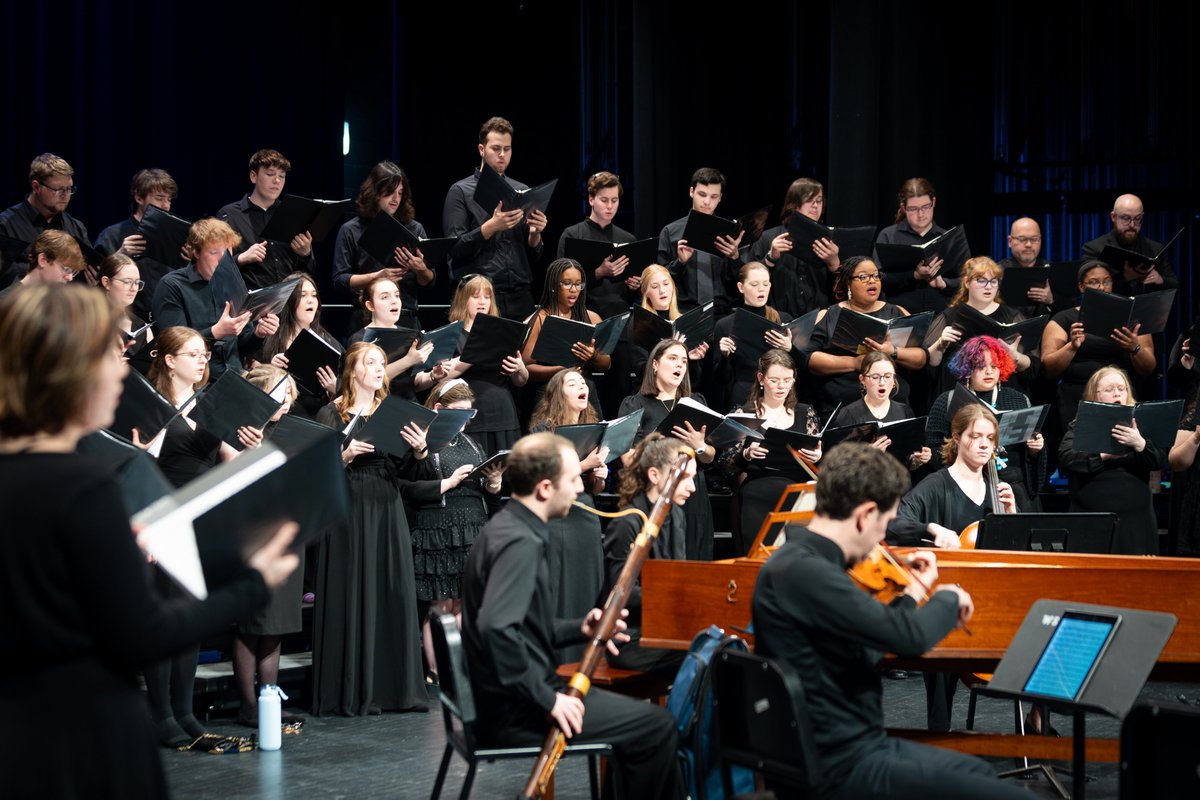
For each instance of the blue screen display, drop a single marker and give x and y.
(1069, 657)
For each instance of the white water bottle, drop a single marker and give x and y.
(270, 714)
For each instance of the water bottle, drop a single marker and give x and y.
(270, 713)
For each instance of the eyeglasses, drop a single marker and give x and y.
(200, 355)
(127, 282)
(925, 209)
(571, 284)
(881, 377)
(61, 191)
(779, 383)
(1128, 220)
(867, 277)
(1098, 284)
(984, 283)
(68, 271)
(1026, 240)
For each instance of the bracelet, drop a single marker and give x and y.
(770, 262)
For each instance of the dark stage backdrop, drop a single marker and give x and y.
(1045, 109)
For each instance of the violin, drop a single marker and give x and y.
(886, 575)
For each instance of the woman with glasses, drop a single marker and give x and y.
(564, 294)
(1071, 355)
(54, 257)
(980, 289)
(877, 375)
(385, 190)
(1116, 483)
(925, 288)
(303, 312)
(121, 281)
(179, 368)
(833, 367)
(773, 400)
(982, 365)
(800, 281)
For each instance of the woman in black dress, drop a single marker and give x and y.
(649, 464)
(660, 296)
(734, 368)
(303, 312)
(773, 400)
(575, 552)
(835, 368)
(1185, 486)
(983, 364)
(979, 289)
(665, 381)
(1117, 483)
(1072, 356)
(366, 634)
(78, 610)
(385, 190)
(801, 282)
(381, 299)
(878, 378)
(446, 528)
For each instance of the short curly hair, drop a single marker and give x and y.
(971, 356)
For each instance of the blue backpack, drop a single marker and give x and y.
(691, 703)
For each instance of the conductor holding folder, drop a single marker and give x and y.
(79, 614)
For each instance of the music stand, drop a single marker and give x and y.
(773, 532)
(1048, 533)
(797, 497)
(1077, 658)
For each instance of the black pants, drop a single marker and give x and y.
(642, 736)
(901, 769)
(514, 303)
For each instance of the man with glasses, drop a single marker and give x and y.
(150, 187)
(493, 242)
(51, 184)
(928, 287)
(1025, 250)
(1132, 277)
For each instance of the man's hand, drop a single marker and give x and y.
(1041, 295)
(728, 245)
(302, 244)
(568, 713)
(966, 606)
(267, 325)
(923, 564)
(229, 325)
(500, 221)
(253, 254)
(683, 252)
(133, 245)
(589, 627)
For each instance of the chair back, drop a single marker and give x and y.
(454, 682)
(762, 719)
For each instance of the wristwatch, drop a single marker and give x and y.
(702, 449)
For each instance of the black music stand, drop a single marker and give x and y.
(1115, 675)
(1039, 532)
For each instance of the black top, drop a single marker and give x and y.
(809, 615)
(799, 282)
(736, 373)
(183, 297)
(1142, 245)
(509, 629)
(902, 288)
(944, 379)
(688, 289)
(505, 258)
(23, 222)
(1037, 309)
(844, 387)
(618, 541)
(654, 411)
(606, 296)
(249, 221)
(186, 453)
(1094, 353)
(857, 413)
(350, 259)
(150, 270)
(937, 499)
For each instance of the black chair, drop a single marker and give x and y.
(458, 712)
(762, 722)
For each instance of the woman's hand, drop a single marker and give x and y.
(273, 561)
(693, 437)
(950, 335)
(513, 365)
(1126, 339)
(354, 448)
(584, 351)
(280, 360)
(415, 436)
(882, 443)
(328, 380)
(920, 458)
(1076, 335)
(812, 455)
(1007, 499)
(250, 437)
(754, 452)
(417, 354)
(456, 477)
(596, 459)
(1035, 445)
(699, 352)
(727, 345)
(1129, 436)
(778, 340)
(943, 537)
(492, 477)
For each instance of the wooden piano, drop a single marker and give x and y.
(679, 598)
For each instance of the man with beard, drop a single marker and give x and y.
(51, 186)
(1132, 277)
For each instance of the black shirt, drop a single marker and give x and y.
(1141, 245)
(937, 499)
(606, 296)
(249, 221)
(24, 223)
(902, 288)
(350, 259)
(505, 258)
(809, 614)
(508, 624)
(799, 283)
(685, 275)
(183, 297)
(151, 271)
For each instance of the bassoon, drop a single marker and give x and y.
(581, 681)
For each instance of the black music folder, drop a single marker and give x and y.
(493, 188)
(750, 330)
(267, 300)
(1102, 312)
(1157, 422)
(293, 433)
(445, 342)
(137, 474)
(203, 533)
(448, 423)
(142, 408)
(701, 231)
(556, 338)
(973, 322)
(383, 427)
(1017, 281)
(724, 430)
(907, 435)
(308, 353)
(617, 435)
(1116, 257)
(296, 215)
(499, 457)
(778, 440)
(648, 329)
(854, 240)
(396, 342)
(231, 403)
(165, 236)
(591, 254)
(950, 246)
(852, 327)
(493, 339)
(386, 233)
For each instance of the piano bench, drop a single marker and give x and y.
(652, 686)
